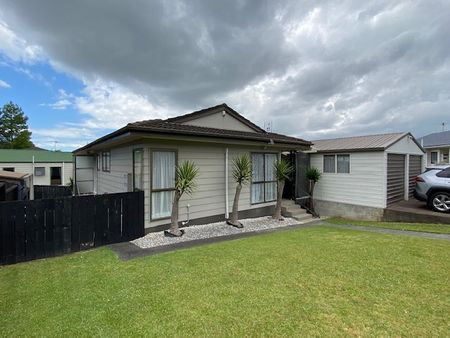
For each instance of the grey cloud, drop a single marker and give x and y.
(334, 68)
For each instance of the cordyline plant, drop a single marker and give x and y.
(283, 170)
(313, 175)
(242, 173)
(185, 176)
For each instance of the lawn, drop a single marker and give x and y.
(421, 227)
(311, 282)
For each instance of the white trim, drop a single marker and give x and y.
(226, 185)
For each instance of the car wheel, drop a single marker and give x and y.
(440, 201)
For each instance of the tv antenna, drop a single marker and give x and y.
(54, 145)
(268, 126)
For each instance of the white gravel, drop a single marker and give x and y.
(218, 229)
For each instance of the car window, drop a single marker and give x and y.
(444, 173)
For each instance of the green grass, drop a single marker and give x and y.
(313, 282)
(422, 227)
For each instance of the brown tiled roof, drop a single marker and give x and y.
(359, 143)
(174, 126)
(164, 126)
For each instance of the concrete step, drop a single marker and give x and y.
(295, 213)
(292, 209)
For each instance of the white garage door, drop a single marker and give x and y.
(395, 178)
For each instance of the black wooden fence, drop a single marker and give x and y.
(51, 191)
(51, 227)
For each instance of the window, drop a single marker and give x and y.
(106, 161)
(264, 182)
(163, 183)
(444, 173)
(39, 171)
(329, 164)
(336, 164)
(138, 169)
(9, 169)
(343, 164)
(434, 157)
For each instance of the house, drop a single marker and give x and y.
(14, 186)
(46, 167)
(363, 175)
(437, 147)
(143, 156)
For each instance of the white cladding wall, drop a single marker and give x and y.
(116, 180)
(209, 197)
(27, 168)
(405, 146)
(364, 185)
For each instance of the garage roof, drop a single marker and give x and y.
(360, 143)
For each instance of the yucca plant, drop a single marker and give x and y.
(283, 170)
(242, 173)
(185, 176)
(313, 175)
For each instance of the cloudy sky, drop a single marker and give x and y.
(314, 69)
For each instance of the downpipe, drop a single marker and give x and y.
(186, 222)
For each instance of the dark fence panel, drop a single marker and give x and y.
(51, 191)
(51, 227)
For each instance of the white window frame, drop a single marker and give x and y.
(336, 164)
(39, 168)
(264, 181)
(141, 178)
(152, 191)
(106, 161)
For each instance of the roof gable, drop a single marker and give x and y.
(220, 116)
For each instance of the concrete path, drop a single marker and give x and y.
(389, 231)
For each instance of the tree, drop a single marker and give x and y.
(242, 172)
(313, 175)
(282, 172)
(185, 176)
(14, 133)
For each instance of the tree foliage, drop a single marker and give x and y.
(242, 173)
(313, 174)
(14, 133)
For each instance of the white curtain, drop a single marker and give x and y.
(271, 191)
(163, 177)
(257, 167)
(257, 192)
(270, 167)
(162, 204)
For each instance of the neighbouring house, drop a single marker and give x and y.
(437, 147)
(46, 167)
(14, 186)
(363, 175)
(143, 156)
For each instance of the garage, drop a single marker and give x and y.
(363, 175)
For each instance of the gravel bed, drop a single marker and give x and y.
(218, 229)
